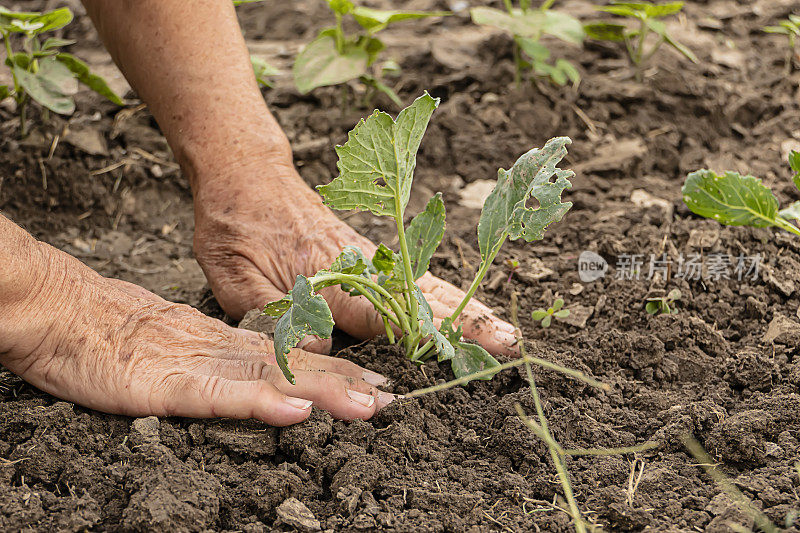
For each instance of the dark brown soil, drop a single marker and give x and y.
(460, 460)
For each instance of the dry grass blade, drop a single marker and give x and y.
(725, 484)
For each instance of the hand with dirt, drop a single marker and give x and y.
(115, 347)
(258, 224)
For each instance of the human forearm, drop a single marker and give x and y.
(189, 63)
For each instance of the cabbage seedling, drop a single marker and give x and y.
(528, 26)
(736, 200)
(376, 170)
(646, 14)
(40, 71)
(263, 71)
(791, 29)
(335, 57)
(545, 316)
(661, 305)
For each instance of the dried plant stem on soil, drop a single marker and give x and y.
(725, 484)
(542, 429)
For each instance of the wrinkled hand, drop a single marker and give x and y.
(115, 347)
(254, 234)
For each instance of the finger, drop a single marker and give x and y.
(312, 343)
(344, 397)
(479, 323)
(204, 396)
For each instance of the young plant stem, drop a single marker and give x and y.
(547, 4)
(637, 59)
(509, 6)
(478, 278)
(339, 34)
(552, 446)
(788, 226)
(360, 283)
(410, 298)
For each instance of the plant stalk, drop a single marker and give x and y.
(478, 278)
(411, 299)
(339, 34)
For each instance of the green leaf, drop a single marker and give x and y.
(794, 161)
(681, 48)
(5, 92)
(564, 313)
(375, 20)
(505, 214)
(444, 349)
(558, 304)
(604, 31)
(376, 164)
(424, 235)
(470, 358)
(569, 70)
(532, 48)
(538, 314)
(278, 307)
(531, 24)
(663, 10)
(783, 30)
(350, 261)
(53, 20)
(8, 15)
(84, 75)
(546, 321)
(342, 7)
(44, 88)
(790, 213)
(320, 64)
(20, 59)
(53, 42)
(262, 69)
(674, 294)
(624, 11)
(730, 199)
(652, 307)
(383, 260)
(564, 27)
(308, 314)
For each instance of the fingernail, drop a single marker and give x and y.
(385, 398)
(364, 399)
(298, 403)
(374, 379)
(506, 339)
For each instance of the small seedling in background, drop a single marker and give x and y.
(335, 57)
(546, 316)
(528, 26)
(662, 304)
(263, 71)
(791, 29)
(376, 171)
(40, 71)
(513, 266)
(736, 200)
(635, 39)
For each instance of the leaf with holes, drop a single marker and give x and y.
(308, 314)
(424, 235)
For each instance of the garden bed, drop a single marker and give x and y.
(722, 369)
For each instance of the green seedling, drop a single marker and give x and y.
(513, 266)
(663, 305)
(40, 71)
(546, 316)
(736, 200)
(263, 71)
(376, 171)
(791, 29)
(335, 57)
(528, 26)
(646, 15)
